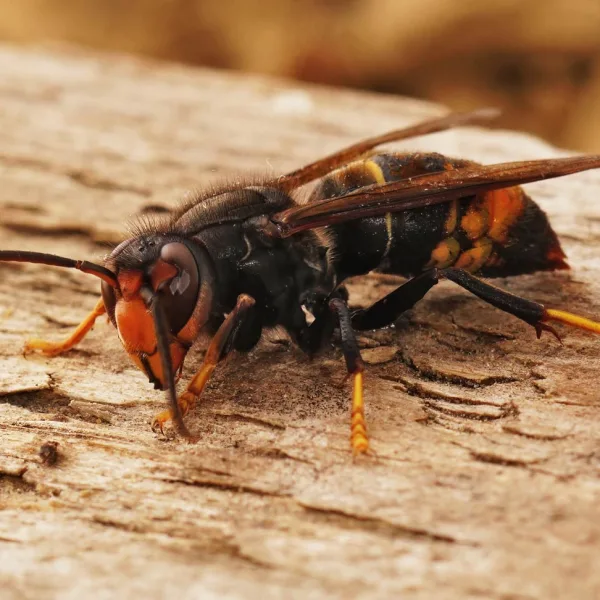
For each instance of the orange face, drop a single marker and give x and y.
(136, 325)
(174, 285)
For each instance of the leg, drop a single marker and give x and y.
(388, 309)
(531, 312)
(385, 311)
(234, 333)
(325, 165)
(355, 366)
(56, 348)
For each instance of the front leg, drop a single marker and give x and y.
(239, 331)
(56, 348)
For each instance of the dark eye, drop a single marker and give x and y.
(177, 282)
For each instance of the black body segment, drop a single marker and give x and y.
(227, 231)
(501, 232)
(405, 240)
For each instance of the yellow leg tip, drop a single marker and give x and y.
(571, 319)
(358, 429)
(46, 348)
(357, 420)
(186, 402)
(159, 420)
(360, 445)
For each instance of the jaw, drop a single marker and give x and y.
(151, 363)
(137, 333)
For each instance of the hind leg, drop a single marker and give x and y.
(388, 309)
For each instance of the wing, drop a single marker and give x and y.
(423, 190)
(325, 165)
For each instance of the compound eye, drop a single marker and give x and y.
(110, 300)
(176, 279)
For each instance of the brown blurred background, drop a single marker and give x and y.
(538, 60)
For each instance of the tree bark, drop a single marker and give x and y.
(484, 480)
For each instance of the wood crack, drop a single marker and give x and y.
(430, 372)
(351, 520)
(499, 459)
(225, 486)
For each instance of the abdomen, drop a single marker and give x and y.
(496, 233)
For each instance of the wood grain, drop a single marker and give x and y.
(486, 477)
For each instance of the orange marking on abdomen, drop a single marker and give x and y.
(451, 218)
(375, 170)
(357, 174)
(475, 223)
(444, 254)
(504, 208)
(473, 259)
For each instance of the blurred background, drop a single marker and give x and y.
(538, 60)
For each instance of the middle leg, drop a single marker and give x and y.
(355, 365)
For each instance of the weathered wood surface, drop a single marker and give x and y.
(486, 479)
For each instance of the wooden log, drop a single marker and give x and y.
(485, 477)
